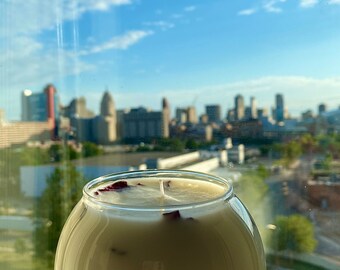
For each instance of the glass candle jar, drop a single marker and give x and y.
(169, 220)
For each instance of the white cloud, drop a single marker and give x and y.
(308, 3)
(33, 16)
(163, 25)
(23, 52)
(176, 16)
(119, 42)
(246, 12)
(334, 2)
(190, 8)
(25, 60)
(272, 6)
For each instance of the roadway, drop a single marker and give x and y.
(286, 195)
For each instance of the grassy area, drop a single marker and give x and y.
(291, 263)
(12, 257)
(15, 261)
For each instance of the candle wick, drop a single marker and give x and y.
(161, 187)
(165, 196)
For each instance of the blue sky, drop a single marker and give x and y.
(193, 52)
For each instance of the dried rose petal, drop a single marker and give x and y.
(96, 193)
(117, 186)
(118, 251)
(167, 183)
(175, 215)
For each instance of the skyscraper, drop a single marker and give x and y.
(106, 122)
(279, 108)
(231, 115)
(247, 113)
(166, 117)
(191, 115)
(322, 108)
(107, 106)
(101, 129)
(253, 108)
(239, 107)
(204, 119)
(262, 112)
(213, 112)
(77, 108)
(41, 107)
(181, 115)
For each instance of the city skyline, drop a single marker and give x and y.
(196, 50)
(247, 103)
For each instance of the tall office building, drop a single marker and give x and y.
(191, 115)
(231, 115)
(106, 121)
(322, 108)
(120, 122)
(41, 107)
(38, 107)
(101, 129)
(166, 117)
(142, 124)
(107, 106)
(239, 108)
(253, 108)
(186, 115)
(204, 119)
(2, 116)
(77, 108)
(181, 115)
(307, 115)
(213, 112)
(247, 113)
(279, 108)
(262, 112)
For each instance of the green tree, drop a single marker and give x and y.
(251, 189)
(171, 144)
(295, 233)
(91, 149)
(20, 246)
(289, 152)
(262, 171)
(177, 145)
(292, 150)
(327, 162)
(58, 152)
(63, 191)
(191, 144)
(34, 156)
(308, 143)
(11, 159)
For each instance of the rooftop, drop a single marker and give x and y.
(122, 159)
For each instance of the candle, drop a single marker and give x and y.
(150, 193)
(149, 221)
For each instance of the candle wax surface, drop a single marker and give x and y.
(148, 192)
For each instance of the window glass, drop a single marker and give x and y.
(246, 90)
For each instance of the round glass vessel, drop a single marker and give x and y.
(167, 220)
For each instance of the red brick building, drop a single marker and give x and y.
(324, 194)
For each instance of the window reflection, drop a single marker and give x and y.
(248, 92)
